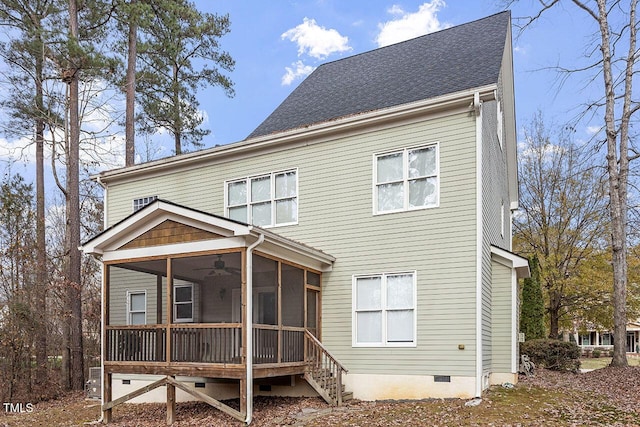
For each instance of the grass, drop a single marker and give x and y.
(601, 362)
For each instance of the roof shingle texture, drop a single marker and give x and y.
(447, 61)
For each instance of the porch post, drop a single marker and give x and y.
(171, 402)
(106, 377)
(106, 397)
(169, 308)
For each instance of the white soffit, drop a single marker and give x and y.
(520, 264)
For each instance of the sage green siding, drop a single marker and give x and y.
(501, 318)
(336, 215)
(495, 217)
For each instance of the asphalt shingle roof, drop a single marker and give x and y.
(451, 60)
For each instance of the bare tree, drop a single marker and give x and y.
(616, 25)
(561, 222)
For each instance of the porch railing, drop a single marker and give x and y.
(203, 343)
(324, 372)
(140, 343)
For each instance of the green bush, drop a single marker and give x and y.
(596, 353)
(553, 354)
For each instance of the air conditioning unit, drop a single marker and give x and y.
(93, 387)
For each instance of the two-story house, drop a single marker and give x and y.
(358, 239)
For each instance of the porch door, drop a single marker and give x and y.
(631, 342)
(313, 312)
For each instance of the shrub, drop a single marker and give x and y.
(553, 354)
(596, 353)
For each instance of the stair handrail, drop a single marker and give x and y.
(317, 342)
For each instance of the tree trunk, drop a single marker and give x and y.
(130, 91)
(554, 314)
(74, 287)
(41, 249)
(617, 171)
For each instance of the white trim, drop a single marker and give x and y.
(477, 103)
(175, 303)
(514, 322)
(405, 177)
(174, 249)
(272, 197)
(511, 260)
(128, 303)
(383, 309)
(305, 133)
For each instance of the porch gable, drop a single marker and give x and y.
(168, 232)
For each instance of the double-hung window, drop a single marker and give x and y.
(136, 307)
(384, 310)
(183, 303)
(265, 200)
(406, 179)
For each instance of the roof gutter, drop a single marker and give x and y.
(249, 320)
(305, 133)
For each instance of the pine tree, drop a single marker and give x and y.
(532, 307)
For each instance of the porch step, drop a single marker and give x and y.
(347, 395)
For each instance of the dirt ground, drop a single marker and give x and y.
(604, 397)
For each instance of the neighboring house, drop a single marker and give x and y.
(364, 226)
(597, 338)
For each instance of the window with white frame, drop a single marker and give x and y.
(384, 311)
(183, 303)
(142, 202)
(136, 307)
(499, 124)
(264, 200)
(406, 179)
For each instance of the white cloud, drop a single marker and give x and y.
(408, 25)
(592, 130)
(316, 41)
(298, 70)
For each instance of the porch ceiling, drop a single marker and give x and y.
(205, 232)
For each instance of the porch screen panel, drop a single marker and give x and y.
(292, 296)
(265, 291)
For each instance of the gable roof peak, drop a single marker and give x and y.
(447, 61)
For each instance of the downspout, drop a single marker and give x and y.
(102, 307)
(477, 107)
(249, 320)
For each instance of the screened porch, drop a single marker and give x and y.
(189, 309)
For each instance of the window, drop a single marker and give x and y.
(499, 124)
(136, 307)
(142, 202)
(384, 310)
(264, 200)
(406, 179)
(183, 303)
(606, 338)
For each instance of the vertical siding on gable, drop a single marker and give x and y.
(336, 216)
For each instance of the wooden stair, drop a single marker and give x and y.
(324, 372)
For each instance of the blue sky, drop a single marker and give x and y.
(277, 43)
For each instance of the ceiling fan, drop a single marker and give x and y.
(219, 268)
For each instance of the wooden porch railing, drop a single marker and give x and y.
(203, 343)
(324, 372)
(139, 343)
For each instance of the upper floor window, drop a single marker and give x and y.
(264, 200)
(142, 202)
(406, 179)
(384, 310)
